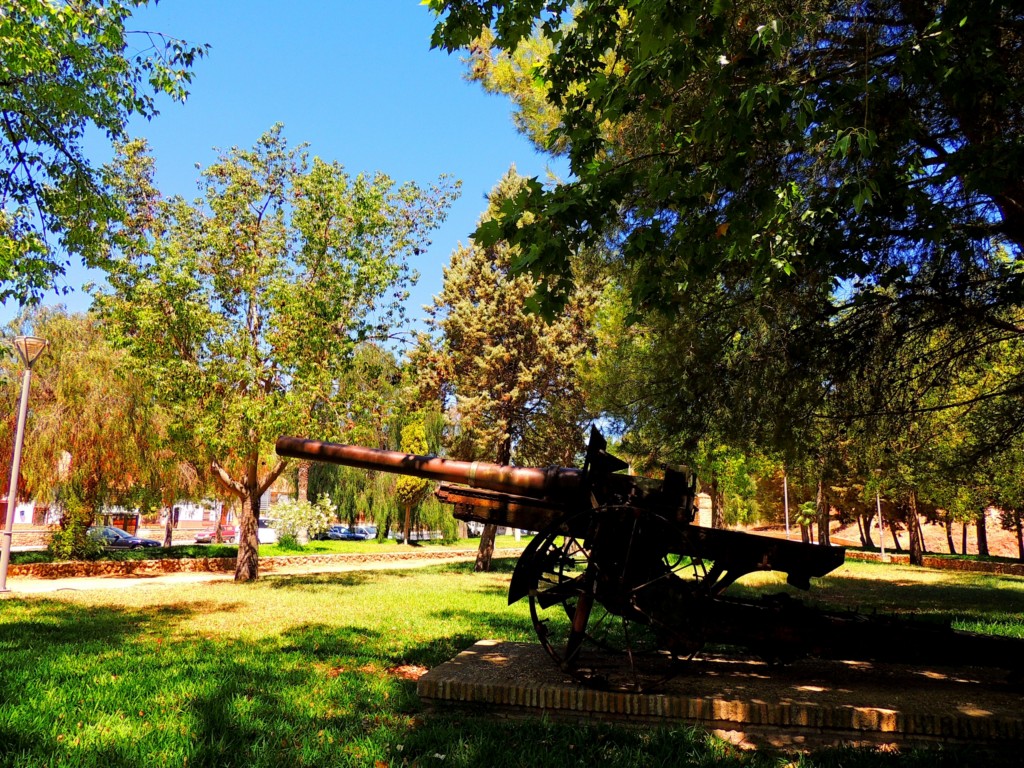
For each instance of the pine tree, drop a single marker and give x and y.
(511, 374)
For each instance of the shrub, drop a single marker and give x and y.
(71, 542)
(297, 520)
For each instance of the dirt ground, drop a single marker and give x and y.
(1001, 543)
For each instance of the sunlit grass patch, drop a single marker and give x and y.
(314, 670)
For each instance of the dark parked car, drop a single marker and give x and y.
(115, 538)
(336, 532)
(227, 534)
(339, 532)
(359, 533)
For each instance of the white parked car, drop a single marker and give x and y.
(266, 532)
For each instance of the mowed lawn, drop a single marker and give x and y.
(314, 670)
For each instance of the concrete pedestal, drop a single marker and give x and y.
(803, 705)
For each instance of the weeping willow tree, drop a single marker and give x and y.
(355, 493)
(95, 436)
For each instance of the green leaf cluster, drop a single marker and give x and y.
(67, 68)
(410, 490)
(806, 212)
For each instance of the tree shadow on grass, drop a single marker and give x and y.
(943, 601)
(75, 676)
(319, 582)
(317, 694)
(498, 565)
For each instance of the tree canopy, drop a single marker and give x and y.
(67, 68)
(846, 167)
(245, 310)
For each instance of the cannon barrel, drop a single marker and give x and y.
(536, 482)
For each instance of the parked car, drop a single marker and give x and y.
(115, 538)
(416, 535)
(227, 533)
(326, 532)
(266, 532)
(360, 533)
(337, 532)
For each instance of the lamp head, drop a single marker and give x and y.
(29, 348)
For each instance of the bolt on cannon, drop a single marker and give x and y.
(623, 586)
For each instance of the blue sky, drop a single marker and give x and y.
(355, 80)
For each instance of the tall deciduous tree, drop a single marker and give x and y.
(853, 156)
(512, 375)
(67, 68)
(244, 309)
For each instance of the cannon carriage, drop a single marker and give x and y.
(624, 586)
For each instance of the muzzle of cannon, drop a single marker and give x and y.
(553, 482)
(623, 586)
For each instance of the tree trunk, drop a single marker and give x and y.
(248, 491)
(717, 506)
(486, 550)
(864, 523)
(302, 492)
(963, 537)
(824, 514)
(169, 524)
(949, 534)
(895, 539)
(982, 535)
(247, 564)
(914, 531)
(805, 533)
(1020, 534)
(407, 528)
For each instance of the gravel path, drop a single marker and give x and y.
(22, 585)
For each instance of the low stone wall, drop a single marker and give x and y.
(79, 569)
(942, 563)
(76, 568)
(31, 537)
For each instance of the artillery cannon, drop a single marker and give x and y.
(623, 585)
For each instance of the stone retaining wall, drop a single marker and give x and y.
(78, 569)
(31, 537)
(227, 564)
(942, 563)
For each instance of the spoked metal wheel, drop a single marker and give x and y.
(610, 598)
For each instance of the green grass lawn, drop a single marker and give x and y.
(302, 670)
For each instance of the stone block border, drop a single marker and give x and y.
(942, 563)
(80, 569)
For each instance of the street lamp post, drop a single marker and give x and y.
(29, 349)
